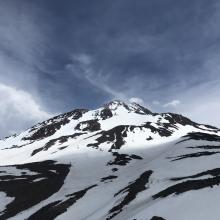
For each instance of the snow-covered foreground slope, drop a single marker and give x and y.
(119, 162)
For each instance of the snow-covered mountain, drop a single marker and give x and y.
(119, 162)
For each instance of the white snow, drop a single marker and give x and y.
(89, 166)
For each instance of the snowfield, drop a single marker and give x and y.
(119, 162)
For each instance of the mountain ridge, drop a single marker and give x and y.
(120, 161)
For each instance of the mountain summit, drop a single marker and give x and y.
(135, 107)
(120, 161)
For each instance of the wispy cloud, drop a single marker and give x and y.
(173, 103)
(82, 67)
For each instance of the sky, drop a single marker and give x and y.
(59, 55)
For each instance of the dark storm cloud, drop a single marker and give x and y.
(68, 54)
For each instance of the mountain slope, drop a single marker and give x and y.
(119, 162)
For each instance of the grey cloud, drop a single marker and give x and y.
(83, 53)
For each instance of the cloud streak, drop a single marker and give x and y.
(82, 67)
(173, 103)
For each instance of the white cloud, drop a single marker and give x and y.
(23, 43)
(173, 103)
(18, 110)
(137, 100)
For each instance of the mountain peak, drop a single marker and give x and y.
(114, 104)
(130, 107)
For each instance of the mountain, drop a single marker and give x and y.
(119, 162)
